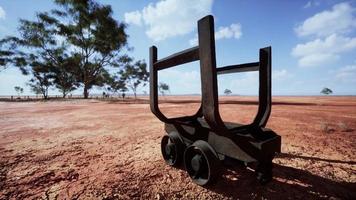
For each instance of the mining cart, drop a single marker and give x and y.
(203, 141)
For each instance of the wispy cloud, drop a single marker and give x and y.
(281, 75)
(346, 74)
(2, 13)
(310, 4)
(187, 82)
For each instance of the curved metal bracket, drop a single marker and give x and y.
(209, 73)
(179, 58)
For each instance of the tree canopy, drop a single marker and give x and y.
(10, 55)
(19, 90)
(163, 88)
(326, 91)
(134, 75)
(227, 91)
(95, 37)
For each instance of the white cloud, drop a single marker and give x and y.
(346, 74)
(339, 20)
(234, 30)
(133, 18)
(329, 29)
(169, 18)
(322, 51)
(227, 32)
(2, 13)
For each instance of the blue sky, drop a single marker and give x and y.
(313, 42)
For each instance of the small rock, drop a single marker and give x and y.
(159, 196)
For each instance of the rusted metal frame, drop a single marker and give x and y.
(238, 68)
(182, 57)
(186, 56)
(265, 88)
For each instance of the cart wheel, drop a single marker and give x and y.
(264, 172)
(172, 149)
(201, 163)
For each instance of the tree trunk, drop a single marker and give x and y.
(134, 91)
(64, 94)
(86, 92)
(45, 96)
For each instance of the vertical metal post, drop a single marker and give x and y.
(208, 72)
(265, 88)
(154, 85)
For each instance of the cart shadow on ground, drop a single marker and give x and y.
(288, 183)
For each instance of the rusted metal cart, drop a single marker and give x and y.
(203, 140)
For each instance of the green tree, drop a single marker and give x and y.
(41, 81)
(227, 92)
(19, 90)
(95, 37)
(76, 42)
(326, 91)
(163, 88)
(134, 75)
(116, 85)
(43, 55)
(63, 74)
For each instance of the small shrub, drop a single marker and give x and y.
(325, 127)
(344, 127)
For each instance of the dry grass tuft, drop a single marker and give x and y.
(326, 127)
(344, 127)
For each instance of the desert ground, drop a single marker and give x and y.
(110, 149)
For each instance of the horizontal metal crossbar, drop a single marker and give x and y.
(238, 68)
(188, 55)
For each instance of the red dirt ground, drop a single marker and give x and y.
(91, 149)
